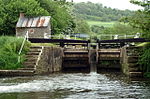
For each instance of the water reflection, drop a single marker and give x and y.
(74, 86)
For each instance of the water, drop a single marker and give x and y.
(74, 86)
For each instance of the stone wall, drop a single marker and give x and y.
(50, 60)
(129, 61)
(37, 32)
(12, 73)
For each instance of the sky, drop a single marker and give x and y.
(119, 4)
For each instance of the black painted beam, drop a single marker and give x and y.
(41, 40)
(124, 40)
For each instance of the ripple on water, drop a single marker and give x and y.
(73, 86)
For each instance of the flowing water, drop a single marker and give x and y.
(74, 86)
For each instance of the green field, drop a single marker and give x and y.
(99, 23)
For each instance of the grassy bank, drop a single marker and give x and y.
(9, 48)
(144, 59)
(99, 23)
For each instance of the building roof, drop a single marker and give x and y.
(42, 21)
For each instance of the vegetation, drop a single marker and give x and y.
(103, 20)
(145, 58)
(100, 23)
(61, 18)
(82, 26)
(10, 10)
(141, 20)
(117, 28)
(9, 49)
(60, 11)
(98, 12)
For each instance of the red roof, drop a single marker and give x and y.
(42, 21)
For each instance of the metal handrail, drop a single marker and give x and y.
(118, 36)
(22, 45)
(60, 36)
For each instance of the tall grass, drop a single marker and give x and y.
(9, 48)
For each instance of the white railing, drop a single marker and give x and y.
(22, 45)
(116, 36)
(100, 37)
(60, 36)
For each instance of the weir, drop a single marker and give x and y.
(106, 55)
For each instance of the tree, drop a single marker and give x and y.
(97, 12)
(10, 9)
(97, 29)
(82, 26)
(61, 18)
(141, 18)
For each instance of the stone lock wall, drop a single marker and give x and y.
(50, 60)
(129, 61)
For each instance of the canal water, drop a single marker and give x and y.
(74, 86)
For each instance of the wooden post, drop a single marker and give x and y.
(97, 49)
(88, 45)
(99, 45)
(122, 44)
(61, 44)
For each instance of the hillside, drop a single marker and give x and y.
(98, 12)
(100, 23)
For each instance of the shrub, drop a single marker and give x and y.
(144, 60)
(9, 49)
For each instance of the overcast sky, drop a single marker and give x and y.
(119, 4)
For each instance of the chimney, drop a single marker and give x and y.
(21, 15)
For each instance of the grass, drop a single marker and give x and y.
(9, 48)
(99, 23)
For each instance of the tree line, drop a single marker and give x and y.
(98, 12)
